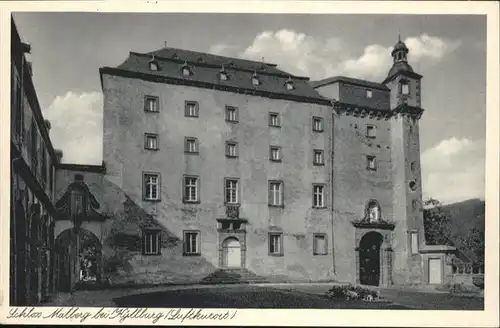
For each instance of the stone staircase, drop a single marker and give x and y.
(233, 276)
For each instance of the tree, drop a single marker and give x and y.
(437, 224)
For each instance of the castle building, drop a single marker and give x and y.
(218, 169)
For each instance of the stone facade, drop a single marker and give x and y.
(166, 129)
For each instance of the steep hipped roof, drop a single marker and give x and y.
(206, 68)
(349, 80)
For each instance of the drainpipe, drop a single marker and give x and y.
(332, 216)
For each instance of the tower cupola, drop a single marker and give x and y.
(400, 59)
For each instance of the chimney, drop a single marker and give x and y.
(47, 124)
(59, 155)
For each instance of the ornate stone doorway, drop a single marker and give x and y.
(369, 258)
(231, 252)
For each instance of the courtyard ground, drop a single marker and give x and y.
(262, 296)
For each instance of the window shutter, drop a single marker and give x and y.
(315, 245)
(326, 245)
(159, 242)
(186, 147)
(146, 104)
(184, 244)
(270, 193)
(143, 243)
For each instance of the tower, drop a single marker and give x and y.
(405, 103)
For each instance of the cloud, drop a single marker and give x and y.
(302, 54)
(76, 121)
(454, 170)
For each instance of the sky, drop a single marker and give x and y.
(448, 50)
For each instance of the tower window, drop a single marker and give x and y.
(404, 87)
(370, 131)
(371, 163)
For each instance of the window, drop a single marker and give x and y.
(370, 131)
(231, 191)
(153, 65)
(186, 71)
(276, 193)
(318, 157)
(318, 196)
(414, 243)
(275, 153)
(276, 243)
(151, 242)
(413, 167)
(191, 109)
(191, 189)
(151, 104)
(191, 145)
(317, 124)
(151, 141)
(191, 243)
(320, 245)
(414, 204)
(231, 114)
(274, 119)
(232, 149)
(371, 163)
(223, 76)
(369, 93)
(404, 87)
(151, 186)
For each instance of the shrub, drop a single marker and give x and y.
(351, 292)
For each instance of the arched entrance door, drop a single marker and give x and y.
(85, 267)
(231, 250)
(369, 258)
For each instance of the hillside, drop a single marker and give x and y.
(465, 227)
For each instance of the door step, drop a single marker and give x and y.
(233, 276)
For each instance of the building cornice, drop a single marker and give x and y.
(212, 86)
(404, 73)
(82, 167)
(374, 113)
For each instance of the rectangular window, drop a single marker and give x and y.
(151, 104)
(231, 114)
(191, 243)
(276, 243)
(318, 157)
(276, 193)
(151, 141)
(414, 243)
(405, 88)
(317, 124)
(191, 109)
(275, 153)
(191, 189)
(191, 145)
(320, 244)
(371, 163)
(370, 131)
(151, 242)
(231, 191)
(151, 186)
(318, 196)
(369, 93)
(274, 120)
(232, 149)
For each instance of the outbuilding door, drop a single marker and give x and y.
(435, 271)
